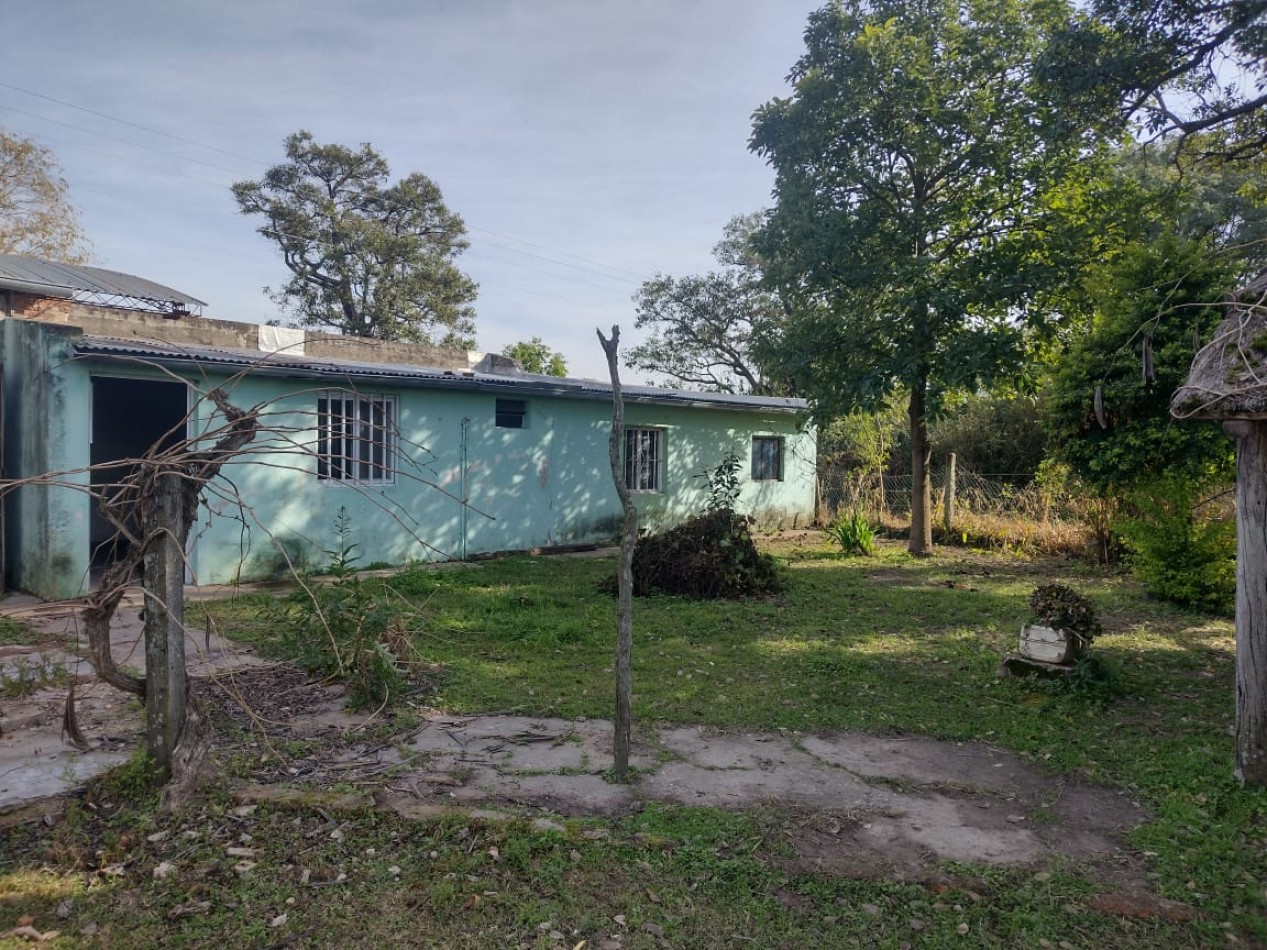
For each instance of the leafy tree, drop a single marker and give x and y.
(36, 216)
(1185, 66)
(702, 327)
(911, 161)
(1155, 301)
(368, 257)
(535, 357)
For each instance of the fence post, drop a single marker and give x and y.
(948, 510)
(164, 568)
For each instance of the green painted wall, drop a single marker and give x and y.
(548, 483)
(46, 430)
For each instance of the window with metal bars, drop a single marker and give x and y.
(644, 450)
(356, 438)
(767, 459)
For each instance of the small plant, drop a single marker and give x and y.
(723, 484)
(853, 533)
(349, 629)
(1063, 608)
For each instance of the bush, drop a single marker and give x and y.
(853, 533)
(1183, 551)
(710, 556)
(1063, 608)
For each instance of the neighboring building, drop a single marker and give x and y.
(98, 367)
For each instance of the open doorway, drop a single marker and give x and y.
(129, 418)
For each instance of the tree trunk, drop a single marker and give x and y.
(1251, 601)
(921, 539)
(624, 573)
(165, 678)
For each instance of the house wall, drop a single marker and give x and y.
(46, 430)
(548, 483)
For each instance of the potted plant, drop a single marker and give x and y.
(1062, 625)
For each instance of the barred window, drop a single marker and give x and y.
(644, 450)
(767, 459)
(356, 438)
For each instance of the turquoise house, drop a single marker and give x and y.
(429, 454)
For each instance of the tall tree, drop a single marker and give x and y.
(368, 257)
(36, 216)
(911, 164)
(1185, 66)
(701, 328)
(535, 357)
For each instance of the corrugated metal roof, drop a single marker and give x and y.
(398, 374)
(31, 275)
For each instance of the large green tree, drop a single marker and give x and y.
(368, 256)
(37, 218)
(701, 328)
(912, 160)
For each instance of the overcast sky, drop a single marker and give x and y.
(587, 143)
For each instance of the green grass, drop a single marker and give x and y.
(883, 644)
(16, 633)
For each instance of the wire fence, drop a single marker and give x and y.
(982, 494)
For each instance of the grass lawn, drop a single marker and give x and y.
(879, 645)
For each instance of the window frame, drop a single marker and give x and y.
(500, 413)
(633, 468)
(373, 438)
(763, 458)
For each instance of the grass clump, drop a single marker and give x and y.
(853, 534)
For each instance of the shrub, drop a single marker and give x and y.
(710, 556)
(1184, 552)
(349, 629)
(853, 533)
(1063, 608)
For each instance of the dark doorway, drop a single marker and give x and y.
(130, 417)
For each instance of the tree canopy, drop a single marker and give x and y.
(701, 328)
(1185, 66)
(536, 357)
(911, 164)
(368, 257)
(37, 218)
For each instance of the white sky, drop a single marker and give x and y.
(587, 143)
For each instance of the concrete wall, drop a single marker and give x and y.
(46, 430)
(548, 483)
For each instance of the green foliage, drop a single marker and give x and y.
(535, 357)
(1184, 552)
(708, 557)
(349, 629)
(991, 433)
(15, 632)
(1182, 66)
(369, 257)
(723, 484)
(701, 329)
(1063, 608)
(1152, 303)
(853, 534)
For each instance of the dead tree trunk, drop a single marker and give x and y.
(624, 573)
(1251, 600)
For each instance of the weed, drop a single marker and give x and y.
(14, 632)
(27, 675)
(853, 534)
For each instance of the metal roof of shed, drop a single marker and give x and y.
(75, 281)
(353, 372)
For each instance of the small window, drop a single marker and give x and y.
(356, 438)
(767, 459)
(643, 455)
(511, 413)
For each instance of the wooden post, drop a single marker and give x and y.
(164, 568)
(624, 572)
(1251, 600)
(948, 510)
